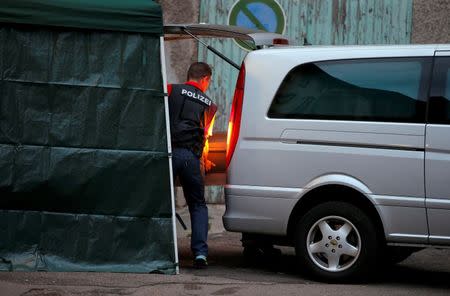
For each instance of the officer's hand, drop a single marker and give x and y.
(209, 165)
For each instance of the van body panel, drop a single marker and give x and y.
(296, 165)
(437, 152)
(338, 179)
(398, 226)
(266, 210)
(438, 162)
(256, 214)
(439, 233)
(383, 160)
(259, 208)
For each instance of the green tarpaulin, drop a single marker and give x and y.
(84, 165)
(142, 16)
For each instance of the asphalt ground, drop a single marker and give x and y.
(424, 273)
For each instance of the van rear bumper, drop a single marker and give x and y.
(255, 209)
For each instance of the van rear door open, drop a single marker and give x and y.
(259, 38)
(256, 39)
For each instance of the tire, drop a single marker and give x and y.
(337, 242)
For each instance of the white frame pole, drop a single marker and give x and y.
(169, 150)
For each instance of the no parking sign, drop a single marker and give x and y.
(266, 15)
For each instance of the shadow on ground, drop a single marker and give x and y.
(427, 268)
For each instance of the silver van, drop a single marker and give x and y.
(342, 152)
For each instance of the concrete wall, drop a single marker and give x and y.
(431, 21)
(181, 53)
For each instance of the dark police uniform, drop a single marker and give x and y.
(191, 112)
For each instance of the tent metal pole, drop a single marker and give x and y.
(169, 150)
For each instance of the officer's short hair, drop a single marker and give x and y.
(199, 70)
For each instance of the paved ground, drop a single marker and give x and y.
(425, 273)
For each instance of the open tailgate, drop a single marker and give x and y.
(257, 37)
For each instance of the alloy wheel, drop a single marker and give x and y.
(333, 243)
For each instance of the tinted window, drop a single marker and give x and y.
(440, 92)
(366, 90)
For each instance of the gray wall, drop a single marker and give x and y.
(181, 53)
(431, 21)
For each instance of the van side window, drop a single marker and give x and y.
(439, 111)
(389, 90)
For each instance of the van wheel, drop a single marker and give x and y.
(337, 241)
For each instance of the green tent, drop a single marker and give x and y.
(84, 155)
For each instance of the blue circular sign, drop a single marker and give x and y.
(263, 13)
(266, 15)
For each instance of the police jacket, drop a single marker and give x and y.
(191, 112)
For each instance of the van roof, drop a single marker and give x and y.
(367, 47)
(302, 54)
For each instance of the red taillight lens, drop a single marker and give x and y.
(234, 123)
(280, 41)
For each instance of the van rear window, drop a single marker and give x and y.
(439, 110)
(392, 90)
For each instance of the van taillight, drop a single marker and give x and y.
(280, 41)
(234, 123)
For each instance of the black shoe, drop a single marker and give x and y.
(200, 262)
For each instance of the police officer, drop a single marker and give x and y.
(191, 114)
